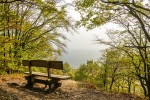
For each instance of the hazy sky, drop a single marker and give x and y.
(82, 46)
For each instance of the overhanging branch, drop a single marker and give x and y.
(11, 1)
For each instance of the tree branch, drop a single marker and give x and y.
(11, 1)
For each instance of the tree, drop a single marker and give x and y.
(104, 66)
(134, 17)
(88, 72)
(111, 67)
(98, 12)
(117, 70)
(135, 45)
(68, 70)
(11, 1)
(34, 30)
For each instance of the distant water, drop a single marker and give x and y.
(76, 57)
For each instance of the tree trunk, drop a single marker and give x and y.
(129, 84)
(144, 89)
(118, 87)
(129, 88)
(148, 88)
(105, 78)
(148, 85)
(112, 82)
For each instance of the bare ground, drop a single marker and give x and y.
(13, 88)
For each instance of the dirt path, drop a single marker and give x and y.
(12, 88)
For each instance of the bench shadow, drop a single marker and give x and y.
(36, 91)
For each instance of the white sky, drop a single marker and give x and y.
(82, 46)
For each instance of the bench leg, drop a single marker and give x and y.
(56, 84)
(30, 82)
(53, 84)
(50, 88)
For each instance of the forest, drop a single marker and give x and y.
(35, 29)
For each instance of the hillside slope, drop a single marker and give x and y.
(12, 88)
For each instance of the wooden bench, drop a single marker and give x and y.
(51, 80)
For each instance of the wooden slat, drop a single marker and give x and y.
(44, 63)
(60, 77)
(56, 64)
(38, 74)
(52, 75)
(39, 63)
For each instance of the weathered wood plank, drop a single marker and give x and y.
(62, 77)
(38, 74)
(44, 63)
(56, 64)
(39, 63)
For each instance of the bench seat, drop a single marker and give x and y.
(62, 77)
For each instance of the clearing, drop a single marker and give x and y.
(13, 88)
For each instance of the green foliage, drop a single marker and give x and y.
(31, 30)
(93, 13)
(67, 68)
(114, 71)
(134, 17)
(88, 72)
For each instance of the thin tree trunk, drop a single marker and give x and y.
(112, 82)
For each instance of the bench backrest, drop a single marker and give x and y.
(43, 63)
